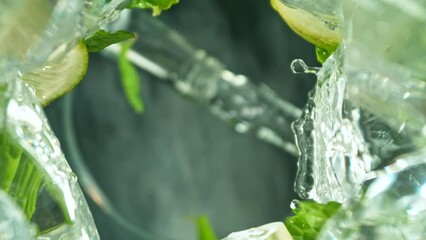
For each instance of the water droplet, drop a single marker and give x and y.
(294, 204)
(299, 66)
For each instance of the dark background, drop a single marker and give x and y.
(177, 161)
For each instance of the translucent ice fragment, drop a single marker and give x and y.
(368, 105)
(392, 207)
(334, 157)
(35, 31)
(13, 223)
(34, 170)
(393, 31)
(340, 141)
(97, 13)
(270, 231)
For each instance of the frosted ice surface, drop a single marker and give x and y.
(368, 106)
(334, 157)
(270, 231)
(13, 224)
(392, 207)
(24, 120)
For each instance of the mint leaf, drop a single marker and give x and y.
(102, 39)
(156, 5)
(309, 218)
(22, 180)
(10, 156)
(205, 230)
(18, 176)
(130, 80)
(323, 54)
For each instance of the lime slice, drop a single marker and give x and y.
(322, 31)
(55, 79)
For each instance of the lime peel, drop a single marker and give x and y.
(55, 79)
(310, 27)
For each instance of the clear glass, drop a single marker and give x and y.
(366, 111)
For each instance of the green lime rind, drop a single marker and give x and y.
(322, 31)
(56, 79)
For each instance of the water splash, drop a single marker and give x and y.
(340, 140)
(299, 66)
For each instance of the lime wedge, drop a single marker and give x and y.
(55, 79)
(320, 30)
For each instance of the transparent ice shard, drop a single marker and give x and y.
(13, 224)
(36, 31)
(270, 231)
(34, 170)
(385, 61)
(97, 13)
(392, 207)
(334, 157)
(340, 142)
(368, 106)
(390, 30)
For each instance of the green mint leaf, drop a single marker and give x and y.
(18, 176)
(130, 80)
(102, 39)
(205, 230)
(309, 218)
(10, 156)
(21, 179)
(156, 5)
(140, 4)
(323, 54)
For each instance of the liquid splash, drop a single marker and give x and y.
(298, 66)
